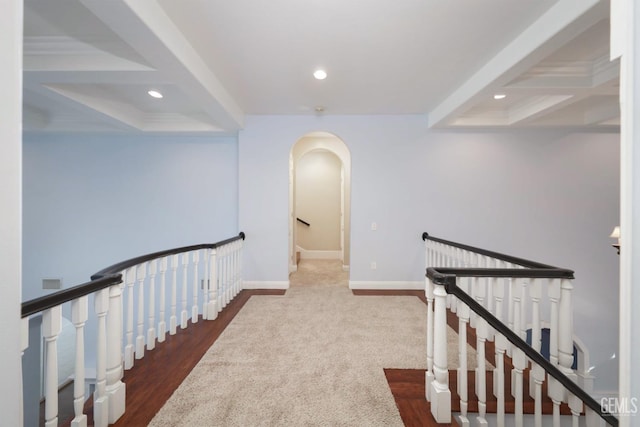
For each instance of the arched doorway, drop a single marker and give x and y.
(319, 199)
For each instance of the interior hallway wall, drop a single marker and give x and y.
(93, 200)
(547, 195)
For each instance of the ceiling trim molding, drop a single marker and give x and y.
(561, 23)
(145, 26)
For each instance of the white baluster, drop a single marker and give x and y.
(519, 363)
(517, 300)
(518, 288)
(51, 328)
(536, 376)
(100, 398)
(128, 349)
(194, 308)
(554, 298)
(212, 303)
(79, 316)
(162, 324)
(536, 326)
(174, 285)
(440, 393)
(463, 384)
(498, 293)
(230, 274)
(236, 267)
(429, 376)
(491, 263)
(565, 334)
(224, 252)
(575, 405)
(482, 330)
(523, 311)
(501, 345)
(205, 287)
(184, 314)
(556, 393)
(227, 275)
(151, 330)
(141, 275)
(115, 388)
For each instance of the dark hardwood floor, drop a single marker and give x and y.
(153, 379)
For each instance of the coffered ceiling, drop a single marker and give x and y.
(88, 64)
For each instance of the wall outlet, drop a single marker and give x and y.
(374, 226)
(51, 283)
(374, 265)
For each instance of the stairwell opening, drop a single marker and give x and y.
(319, 200)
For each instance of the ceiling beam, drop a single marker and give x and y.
(561, 23)
(145, 26)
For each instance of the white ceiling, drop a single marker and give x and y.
(88, 64)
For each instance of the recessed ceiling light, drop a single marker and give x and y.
(320, 74)
(499, 96)
(155, 94)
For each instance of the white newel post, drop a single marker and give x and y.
(194, 308)
(79, 316)
(439, 392)
(428, 376)
(225, 275)
(236, 267)
(463, 384)
(565, 338)
(557, 393)
(100, 398)
(554, 298)
(482, 331)
(173, 319)
(51, 328)
(212, 304)
(184, 314)
(162, 324)
(205, 286)
(115, 388)
(128, 349)
(141, 275)
(24, 344)
(151, 327)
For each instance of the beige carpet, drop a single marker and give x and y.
(313, 357)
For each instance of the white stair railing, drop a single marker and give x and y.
(473, 281)
(120, 302)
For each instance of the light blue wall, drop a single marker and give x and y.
(550, 196)
(93, 200)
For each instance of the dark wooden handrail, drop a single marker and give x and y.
(303, 222)
(503, 257)
(118, 267)
(48, 301)
(108, 277)
(448, 278)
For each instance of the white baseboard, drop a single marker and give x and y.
(386, 285)
(265, 284)
(310, 254)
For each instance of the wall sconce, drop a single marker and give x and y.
(615, 234)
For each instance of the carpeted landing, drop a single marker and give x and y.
(315, 356)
